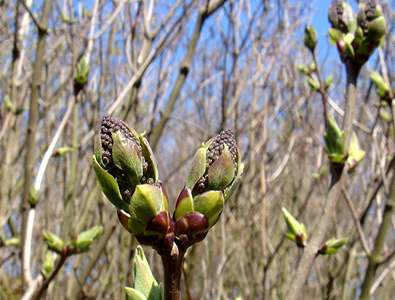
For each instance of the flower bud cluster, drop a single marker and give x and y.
(215, 171)
(357, 36)
(126, 171)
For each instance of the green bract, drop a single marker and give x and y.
(355, 154)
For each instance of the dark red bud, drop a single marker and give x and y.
(161, 223)
(192, 223)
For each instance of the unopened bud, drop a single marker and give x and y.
(310, 37)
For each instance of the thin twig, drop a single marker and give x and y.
(47, 281)
(356, 220)
(36, 22)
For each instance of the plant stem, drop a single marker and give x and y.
(31, 136)
(375, 258)
(46, 283)
(321, 90)
(337, 170)
(172, 263)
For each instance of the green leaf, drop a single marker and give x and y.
(335, 35)
(230, 189)
(328, 81)
(109, 186)
(355, 150)
(148, 154)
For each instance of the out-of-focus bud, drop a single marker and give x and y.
(8, 105)
(62, 151)
(335, 140)
(84, 240)
(122, 160)
(313, 83)
(382, 88)
(297, 231)
(81, 78)
(331, 246)
(310, 37)
(14, 241)
(33, 198)
(54, 242)
(328, 81)
(48, 264)
(144, 283)
(303, 69)
(216, 166)
(355, 154)
(148, 217)
(342, 16)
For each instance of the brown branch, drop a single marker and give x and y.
(47, 281)
(204, 13)
(310, 252)
(31, 133)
